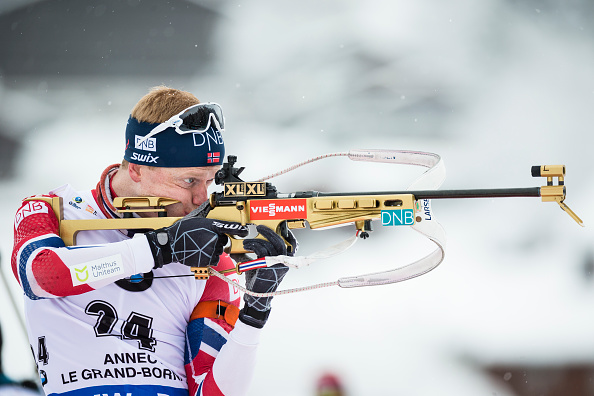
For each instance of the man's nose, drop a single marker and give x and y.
(199, 195)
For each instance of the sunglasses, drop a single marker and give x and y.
(195, 119)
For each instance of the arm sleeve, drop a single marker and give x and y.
(219, 358)
(45, 268)
(223, 363)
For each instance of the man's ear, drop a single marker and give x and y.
(135, 172)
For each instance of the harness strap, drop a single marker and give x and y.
(216, 310)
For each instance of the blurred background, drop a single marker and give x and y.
(494, 87)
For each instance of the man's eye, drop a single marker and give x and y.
(190, 180)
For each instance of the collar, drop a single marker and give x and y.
(104, 194)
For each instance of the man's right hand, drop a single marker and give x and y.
(264, 280)
(193, 241)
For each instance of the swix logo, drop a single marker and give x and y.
(213, 158)
(267, 209)
(212, 135)
(144, 158)
(30, 208)
(141, 143)
(232, 226)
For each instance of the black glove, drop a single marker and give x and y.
(264, 280)
(193, 241)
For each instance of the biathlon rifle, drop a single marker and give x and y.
(260, 203)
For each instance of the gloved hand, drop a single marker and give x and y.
(264, 280)
(193, 241)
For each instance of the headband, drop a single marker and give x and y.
(191, 138)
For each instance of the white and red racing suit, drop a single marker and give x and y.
(93, 333)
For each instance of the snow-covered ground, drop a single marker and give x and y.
(491, 88)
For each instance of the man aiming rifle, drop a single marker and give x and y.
(97, 322)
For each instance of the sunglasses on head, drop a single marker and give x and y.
(198, 118)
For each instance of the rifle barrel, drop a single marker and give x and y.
(449, 194)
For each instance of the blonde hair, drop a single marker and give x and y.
(161, 103)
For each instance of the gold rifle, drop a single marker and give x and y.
(260, 203)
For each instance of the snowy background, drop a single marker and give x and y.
(494, 87)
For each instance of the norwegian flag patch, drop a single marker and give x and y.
(213, 158)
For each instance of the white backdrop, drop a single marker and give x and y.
(493, 88)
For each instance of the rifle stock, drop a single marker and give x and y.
(281, 214)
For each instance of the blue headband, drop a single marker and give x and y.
(169, 149)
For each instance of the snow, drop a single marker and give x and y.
(493, 89)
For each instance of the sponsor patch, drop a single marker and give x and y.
(91, 210)
(227, 226)
(30, 208)
(74, 205)
(268, 209)
(149, 144)
(206, 138)
(423, 210)
(148, 158)
(245, 188)
(398, 217)
(105, 267)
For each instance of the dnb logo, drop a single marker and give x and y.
(398, 217)
(149, 144)
(28, 209)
